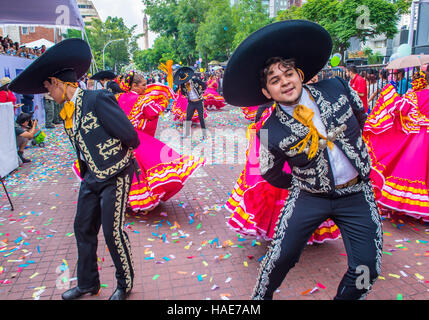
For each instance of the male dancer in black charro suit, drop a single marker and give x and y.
(193, 89)
(103, 139)
(107, 81)
(317, 130)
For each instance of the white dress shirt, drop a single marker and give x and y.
(341, 167)
(73, 99)
(192, 94)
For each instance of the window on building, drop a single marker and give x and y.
(24, 30)
(32, 29)
(380, 44)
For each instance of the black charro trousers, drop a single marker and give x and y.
(192, 106)
(103, 204)
(356, 214)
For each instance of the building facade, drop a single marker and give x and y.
(274, 6)
(27, 34)
(87, 10)
(421, 37)
(280, 5)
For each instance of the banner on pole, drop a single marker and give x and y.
(11, 66)
(8, 151)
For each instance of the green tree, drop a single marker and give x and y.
(163, 19)
(145, 60)
(207, 28)
(148, 60)
(216, 34)
(248, 16)
(190, 14)
(73, 33)
(363, 19)
(373, 57)
(293, 13)
(117, 54)
(178, 20)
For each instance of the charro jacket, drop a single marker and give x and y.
(198, 85)
(342, 114)
(102, 135)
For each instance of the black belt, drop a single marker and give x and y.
(348, 184)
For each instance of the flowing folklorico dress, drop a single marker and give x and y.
(250, 113)
(163, 171)
(255, 205)
(212, 99)
(180, 106)
(397, 135)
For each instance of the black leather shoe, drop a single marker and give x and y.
(75, 293)
(21, 156)
(119, 294)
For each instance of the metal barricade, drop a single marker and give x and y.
(377, 77)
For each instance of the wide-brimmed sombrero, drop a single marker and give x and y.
(105, 74)
(306, 42)
(182, 75)
(68, 60)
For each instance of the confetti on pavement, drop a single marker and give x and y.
(184, 242)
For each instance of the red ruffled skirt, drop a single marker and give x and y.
(163, 173)
(256, 205)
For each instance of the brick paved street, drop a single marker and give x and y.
(177, 248)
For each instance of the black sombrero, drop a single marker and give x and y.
(114, 87)
(307, 42)
(68, 61)
(105, 74)
(182, 75)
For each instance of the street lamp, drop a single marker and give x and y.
(104, 67)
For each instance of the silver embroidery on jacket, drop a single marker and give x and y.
(266, 160)
(287, 142)
(378, 241)
(273, 254)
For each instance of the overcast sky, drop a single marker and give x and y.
(130, 10)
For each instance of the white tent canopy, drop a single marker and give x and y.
(39, 43)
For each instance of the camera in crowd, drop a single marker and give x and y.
(23, 117)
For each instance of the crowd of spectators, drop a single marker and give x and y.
(25, 126)
(11, 48)
(369, 81)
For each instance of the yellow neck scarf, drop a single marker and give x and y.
(188, 86)
(68, 110)
(305, 116)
